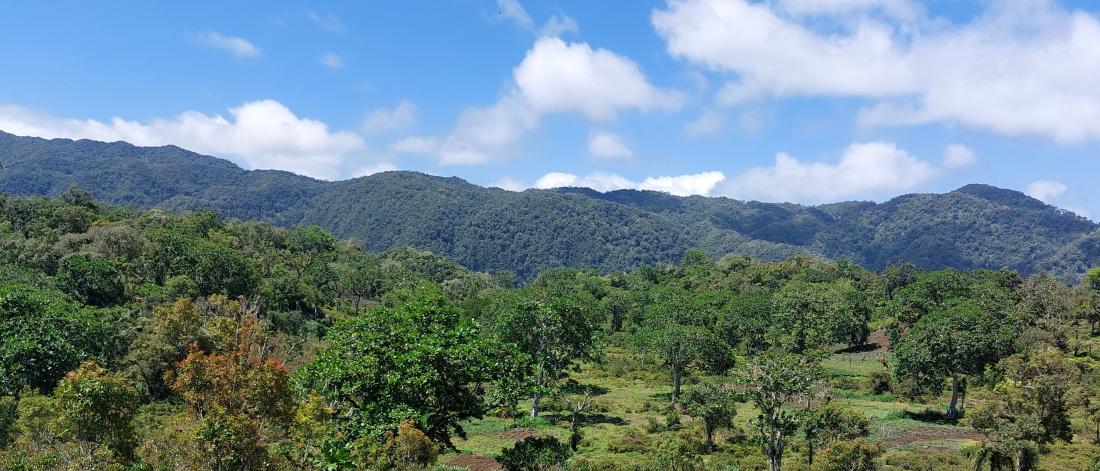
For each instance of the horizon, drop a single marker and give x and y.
(860, 100)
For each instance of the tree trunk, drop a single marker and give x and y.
(709, 430)
(535, 405)
(775, 451)
(676, 374)
(953, 407)
(1023, 461)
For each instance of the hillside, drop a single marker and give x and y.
(490, 229)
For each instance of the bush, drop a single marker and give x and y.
(535, 454)
(409, 448)
(849, 455)
(879, 382)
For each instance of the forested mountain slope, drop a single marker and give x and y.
(493, 229)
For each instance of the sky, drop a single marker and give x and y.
(806, 101)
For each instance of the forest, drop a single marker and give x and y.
(147, 339)
(490, 229)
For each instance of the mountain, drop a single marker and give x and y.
(976, 226)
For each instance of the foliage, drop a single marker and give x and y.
(535, 454)
(416, 357)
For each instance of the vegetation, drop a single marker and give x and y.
(145, 339)
(493, 230)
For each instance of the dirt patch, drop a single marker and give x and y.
(911, 435)
(879, 339)
(518, 434)
(474, 462)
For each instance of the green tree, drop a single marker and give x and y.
(850, 455)
(771, 381)
(715, 404)
(43, 336)
(97, 407)
(948, 345)
(810, 316)
(555, 329)
(90, 280)
(414, 357)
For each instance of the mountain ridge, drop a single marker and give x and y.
(974, 226)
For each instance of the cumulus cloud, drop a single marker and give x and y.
(680, 185)
(958, 156)
(383, 120)
(331, 60)
(606, 145)
(510, 184)
(1046, 190)
(258, 134)
(555, 77)
(1020, 67)
(864, 169)
(234, 45)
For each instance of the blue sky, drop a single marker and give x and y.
(783, 100)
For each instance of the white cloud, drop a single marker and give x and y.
(605, 145)
(681, 185)
(383, 120)
(511, 10)
(1018, 67)
(332, 60)
(327, 22)
(958, 156)
(554, 77)
(1046, 190)
(559, 25)
(258, 134)
(236, 46)
(707, 123)
(864, 169)
(510, 184)
(375, 168)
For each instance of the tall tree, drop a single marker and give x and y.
(555, 329)
(771, 381)
(715, 404)
(950, 344)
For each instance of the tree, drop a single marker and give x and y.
(554, 329)
(415, 357)
(43, 336)
(682, 346)
(771, 381)
(715, 404)
(90, 280)
(97, 407)
(949, 344)
(1029, 408)
(810, 316)
(577, 407)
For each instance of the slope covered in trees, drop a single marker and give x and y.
(489, 229)
(146, 339)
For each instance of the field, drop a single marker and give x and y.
(632, 395)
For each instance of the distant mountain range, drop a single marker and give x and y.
(491, 229)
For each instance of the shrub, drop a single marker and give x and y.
(409, 448)
(535, 454)
(879, 382)
(849, 455)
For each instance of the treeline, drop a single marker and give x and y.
(152, 340)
